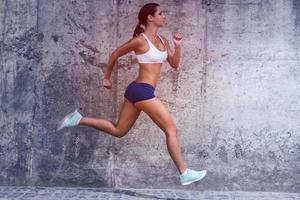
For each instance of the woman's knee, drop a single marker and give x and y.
(120, 133)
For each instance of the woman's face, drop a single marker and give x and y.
(159, 17)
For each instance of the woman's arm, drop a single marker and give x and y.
(174, 57)
(130, 45)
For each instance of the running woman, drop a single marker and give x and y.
(151, 50)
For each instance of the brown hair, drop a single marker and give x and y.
(148, 9)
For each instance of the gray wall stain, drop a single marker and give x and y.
(238, 151)
(296, 7)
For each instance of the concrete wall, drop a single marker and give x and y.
(234, 100)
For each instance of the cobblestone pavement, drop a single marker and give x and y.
(74, 193)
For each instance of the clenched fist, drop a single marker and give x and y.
(177, 38)
(107, 83)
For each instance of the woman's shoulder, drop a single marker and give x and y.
(137, 39)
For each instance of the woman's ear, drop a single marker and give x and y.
(150, 18)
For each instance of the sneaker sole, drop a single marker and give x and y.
(187, 183)
(60, 126)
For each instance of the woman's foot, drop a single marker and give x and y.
(70, 120)
(190, 176)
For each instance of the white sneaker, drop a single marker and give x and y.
(70, 120)
(191, 176)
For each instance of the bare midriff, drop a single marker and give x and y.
(149, 73)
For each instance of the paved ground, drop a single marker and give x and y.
(61, 193)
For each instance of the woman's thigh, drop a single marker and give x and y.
(155, 109)
(127, 116)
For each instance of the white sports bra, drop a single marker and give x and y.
(153, 55)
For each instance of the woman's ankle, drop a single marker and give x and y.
(182, 171)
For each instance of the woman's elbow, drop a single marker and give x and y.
(175, 66)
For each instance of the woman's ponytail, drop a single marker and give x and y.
(148, 9)
(138, 30)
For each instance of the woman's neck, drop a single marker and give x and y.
(151, 31)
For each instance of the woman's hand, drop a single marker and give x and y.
(107, 83)
(177, 38)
